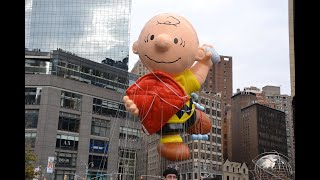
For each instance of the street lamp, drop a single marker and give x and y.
(43, 171)
(91, 164)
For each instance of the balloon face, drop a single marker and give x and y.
(168, 43)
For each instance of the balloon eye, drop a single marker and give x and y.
(175, 40)
(151, 37)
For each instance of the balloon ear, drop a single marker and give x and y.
(135, 47)
(200, 54)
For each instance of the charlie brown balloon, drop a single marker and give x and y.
(168, 46)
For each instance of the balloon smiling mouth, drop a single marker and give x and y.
(163, 61)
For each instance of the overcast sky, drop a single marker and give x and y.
(254, 32)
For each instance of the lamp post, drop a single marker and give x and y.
(91, 164)
(42, 172)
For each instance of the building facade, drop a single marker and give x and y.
(291, 46)
(283, 103)
(263, 130)
(219, 80)
(139, 68)
(292, 66)
(256, 128)
(235, 171)
(74, 115)
(94, 30)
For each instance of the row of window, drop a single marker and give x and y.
(32, 96)
(67, 159)
(214, 103)
(89, 75)
(129, 133)
(71, 123)
(127, 161)
(72, 101)
(243, 170)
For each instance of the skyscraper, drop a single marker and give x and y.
(282, 102)
(255, 128)
(74, 115)
(95, 30)
(219, 80)
(64, 37)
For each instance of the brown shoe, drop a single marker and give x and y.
(174, 151)
(202, 125)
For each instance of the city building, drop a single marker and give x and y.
(139, 68)
(235, 171)
(219, 80)
(283, 103)
(270, 96)
(255, 129)
(75, 119)
(95, 29)
(292, 68)
(291, 46)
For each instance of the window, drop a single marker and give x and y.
(127, 160)
(219, 140)
(218, 113)
(227, 168)
(33, 66)
(98, 146)
(69, 122)
(70, 100)
(64, 159)
(60, 174)
(214, 112)
(227, 177)
(32, 95)
(100, 127)
(31, 118)
(219, 122)
(218, 105)
(129, 133)
(67, 142)
(30, 138)
(244, 171)
(219, 148)
(98, 161)
(218, 131)
(108, 108)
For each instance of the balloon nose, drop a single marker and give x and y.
(162, 42)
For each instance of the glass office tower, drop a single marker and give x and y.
(92, 29)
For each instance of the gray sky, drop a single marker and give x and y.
(254, 32)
